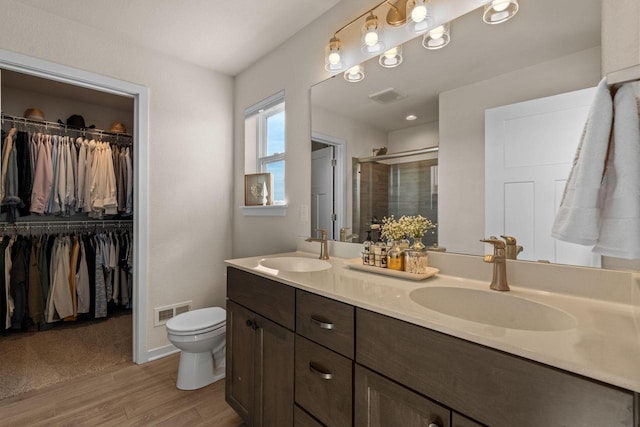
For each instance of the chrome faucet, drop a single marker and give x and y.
(512, 250)
(324, 249)
(499, 280)
(344, 237)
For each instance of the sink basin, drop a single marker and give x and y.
(295, 264)
(493, 308)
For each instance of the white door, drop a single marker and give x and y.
(529, 150)
(322, 213)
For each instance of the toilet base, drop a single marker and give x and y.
(196, 371)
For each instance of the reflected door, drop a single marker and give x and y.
(529, 150)
(322, 198)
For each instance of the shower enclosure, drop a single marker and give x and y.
(404, 183)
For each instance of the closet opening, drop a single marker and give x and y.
(87, 249)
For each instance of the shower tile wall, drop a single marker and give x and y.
(374, 196)
(398, 189)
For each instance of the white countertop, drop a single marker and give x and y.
(604, 345)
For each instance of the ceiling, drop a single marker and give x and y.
(542, 30)
(223, 35)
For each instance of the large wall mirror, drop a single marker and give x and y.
(548, 48)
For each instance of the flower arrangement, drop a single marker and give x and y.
(415, 226)
(391, 229)
(412, 226)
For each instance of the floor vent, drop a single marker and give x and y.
(163, 314)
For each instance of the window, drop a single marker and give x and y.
(265, 142)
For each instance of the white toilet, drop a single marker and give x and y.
(200, 336)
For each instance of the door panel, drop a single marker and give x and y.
(529, 151)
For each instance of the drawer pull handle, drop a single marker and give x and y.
(321, 323)
(319, 371)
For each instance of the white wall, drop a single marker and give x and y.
(461, 154)
(413, 138)
(190, 154)
(294, 66)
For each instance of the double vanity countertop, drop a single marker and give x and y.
(580, 332)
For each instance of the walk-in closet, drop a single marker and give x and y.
(66, 231)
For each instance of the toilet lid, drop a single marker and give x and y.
(197, 319)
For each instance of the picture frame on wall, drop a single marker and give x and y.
(258, 189)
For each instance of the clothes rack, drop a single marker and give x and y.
(25, 124)
(33, 227)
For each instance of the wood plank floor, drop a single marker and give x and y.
(127, 395)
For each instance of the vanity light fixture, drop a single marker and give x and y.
(437, 38)
(354, 74)
(499, 11)
(333, 55)
(419, 15)
(391, 58)
(372, 35)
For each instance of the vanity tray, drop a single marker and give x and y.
(356, 264)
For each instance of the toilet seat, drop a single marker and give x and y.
(197, 321)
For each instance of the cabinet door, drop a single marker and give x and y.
(240, 360)
(458, 420)
(383, 403)
(259, 377)
(273, 375)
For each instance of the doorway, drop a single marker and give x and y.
(48, 70)
(327, 185)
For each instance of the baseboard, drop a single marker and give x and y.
(160, 352)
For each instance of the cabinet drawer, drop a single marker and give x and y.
(302, 419)
(266, 297)
(490, 386)
(380, 402)
(325, 321)
(323, 383)
(458, 420)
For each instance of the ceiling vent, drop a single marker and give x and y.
(387, 96)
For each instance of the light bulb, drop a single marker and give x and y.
(354, 71)
(391, 53)
(334, 58)
(437, 32)
(419, 13)
(371, 38)
(500, 5)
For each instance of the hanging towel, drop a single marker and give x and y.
(578, 218)
(620, 220)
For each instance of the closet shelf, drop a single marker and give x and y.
(22, 123)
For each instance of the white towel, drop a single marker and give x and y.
(620, 219)
(578, 218)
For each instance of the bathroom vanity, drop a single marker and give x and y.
(339, 347)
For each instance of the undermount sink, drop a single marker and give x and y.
(295, 264)
(493, 308)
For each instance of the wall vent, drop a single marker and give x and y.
(162, 314)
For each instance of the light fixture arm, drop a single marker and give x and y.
(355, 19)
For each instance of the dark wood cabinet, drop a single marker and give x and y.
(259, 377)
(490, 386)
(379, 402)
(458, 420)
(296, 358)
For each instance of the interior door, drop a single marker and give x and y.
(322, 191)
(529, 151)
